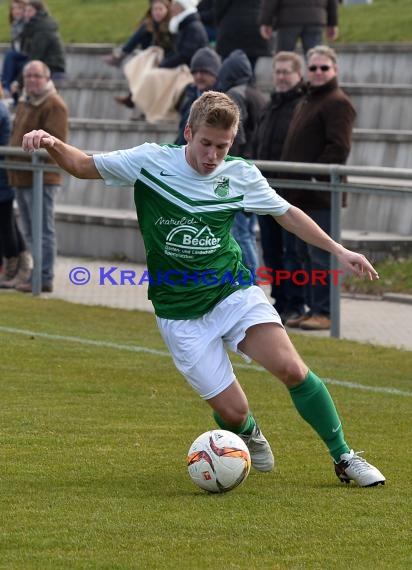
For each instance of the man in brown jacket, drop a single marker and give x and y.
(40, 107)
(320, 132)
(294, 19)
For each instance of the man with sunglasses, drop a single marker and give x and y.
(320, 132)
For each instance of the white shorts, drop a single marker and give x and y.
(198, 345)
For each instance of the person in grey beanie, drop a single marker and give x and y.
(205, 66)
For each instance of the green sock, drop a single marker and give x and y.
(314, 403)
(246, 428)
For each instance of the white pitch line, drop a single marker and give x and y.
(134, 348)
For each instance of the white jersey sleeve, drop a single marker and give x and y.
(122, 167)
(259, 197)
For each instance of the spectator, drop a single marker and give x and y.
(205, 67)
(301, 19)
(14, 60)
(41, 107)
(237, 23)
(189, 33)
(156, 81)
(268, 139)
(40, 40)
(17, 258)
(235, 79)
(153, 30)
(320, 132)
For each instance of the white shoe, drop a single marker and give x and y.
(352, 466)
(259, 449)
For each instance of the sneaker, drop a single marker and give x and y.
(352, 466)
(259, 449)
(315, 323)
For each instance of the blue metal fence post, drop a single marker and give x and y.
(336, 201)
(37, 225)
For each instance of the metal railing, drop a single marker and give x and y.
(338, 183)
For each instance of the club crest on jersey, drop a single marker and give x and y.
(221, 187)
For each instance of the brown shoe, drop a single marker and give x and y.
(294, 320)
(316, 323)
(125, 100)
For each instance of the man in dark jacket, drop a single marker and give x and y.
(268, 139)
(320, 132)
(294, 19)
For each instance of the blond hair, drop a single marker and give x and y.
(323, 50)
(216, 110)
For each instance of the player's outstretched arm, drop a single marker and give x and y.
(298, 223)
(70, 158)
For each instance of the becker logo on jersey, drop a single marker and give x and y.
(188, 242)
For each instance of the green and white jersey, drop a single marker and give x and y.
(185, 219)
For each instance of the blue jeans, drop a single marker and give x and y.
(13, 64)
(49, 244)
(287, 37)
(244, 232)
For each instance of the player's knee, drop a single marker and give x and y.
(235, 416)
(292, 372)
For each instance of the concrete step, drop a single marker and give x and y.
(378, 147)
(380, 106)
(377, 245)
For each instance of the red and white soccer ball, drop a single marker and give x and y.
(218, 461)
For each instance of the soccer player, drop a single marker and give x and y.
(186, 198)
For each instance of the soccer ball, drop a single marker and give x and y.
(218, 461)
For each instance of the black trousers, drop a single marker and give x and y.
(11, 239)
